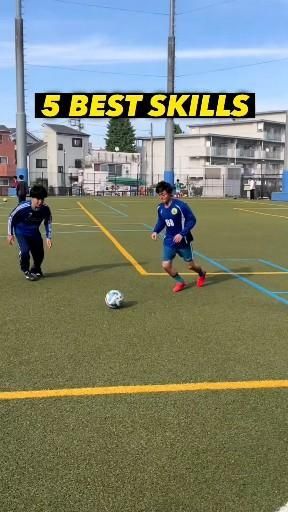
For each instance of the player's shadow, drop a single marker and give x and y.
(88, 268)
(211, 280)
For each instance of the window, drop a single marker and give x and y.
(60, 169)
(114, 170)
(76, 142)
(60, 147)
(41, 163)
(3, 160)
(4, 182)
(1, 139)
(233, 174)
(78, 164)
(213, 174)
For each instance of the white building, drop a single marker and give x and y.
(256, 145)
(59, 160)
(109, 170)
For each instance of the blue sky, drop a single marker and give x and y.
(88, 48)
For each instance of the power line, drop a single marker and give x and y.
(215, 70)
(233, 67)
(95, 71)
(99, 6)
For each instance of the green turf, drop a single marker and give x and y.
(221, 451)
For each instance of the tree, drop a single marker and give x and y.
(177, 129)
(120, 134)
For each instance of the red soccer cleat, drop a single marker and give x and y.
(201, 280)
(179, 287)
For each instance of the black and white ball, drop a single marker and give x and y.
(114, 299)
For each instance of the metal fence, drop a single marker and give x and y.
(265, 185)
(190, 187)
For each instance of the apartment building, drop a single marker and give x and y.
(256, 145)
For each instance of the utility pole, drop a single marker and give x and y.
(152, 155)
(169, 130)
(21, 142)
(77, 123)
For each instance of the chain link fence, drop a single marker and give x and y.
(265, 185)
(186, 186)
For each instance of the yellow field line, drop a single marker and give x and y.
(261, 213)
(114, 241)
(223, 273)
(145, 389)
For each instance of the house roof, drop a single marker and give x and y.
(208, 134)
(34, 147)
(3, 128)
(61, 129)
(13, 132)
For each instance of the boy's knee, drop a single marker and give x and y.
(166, 265)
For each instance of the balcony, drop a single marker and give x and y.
(221, 151)
(246, 153)
(275, 136)
(268, 154)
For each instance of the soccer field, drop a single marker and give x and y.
(173, 403)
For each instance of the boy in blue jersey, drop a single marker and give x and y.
(178, 219)
(24, 223)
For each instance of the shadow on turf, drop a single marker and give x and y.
(88, 268)
(225, 277)
(129, 304)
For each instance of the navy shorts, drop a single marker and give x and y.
(184, 251)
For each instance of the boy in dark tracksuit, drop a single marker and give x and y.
(24, 223)
(21, 189)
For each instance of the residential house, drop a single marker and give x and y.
(7, 160)
(58, 161)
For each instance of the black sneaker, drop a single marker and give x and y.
(37, 273)
(30, 276)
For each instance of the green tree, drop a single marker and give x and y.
(177, 129)
(120, 134)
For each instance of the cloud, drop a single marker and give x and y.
(91, 52)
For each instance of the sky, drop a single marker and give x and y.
(121, 45)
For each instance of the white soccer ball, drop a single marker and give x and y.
(4, 199)
(114, 299)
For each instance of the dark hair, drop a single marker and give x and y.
(164, 186)
(21, 177)
(38, 191)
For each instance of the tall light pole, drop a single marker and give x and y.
(21, 144)
(169, 130)
(152, 154)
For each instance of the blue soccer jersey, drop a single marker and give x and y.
(177, 218)
(26, 221)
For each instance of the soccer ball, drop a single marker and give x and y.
(4, 199)
(114, 299)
